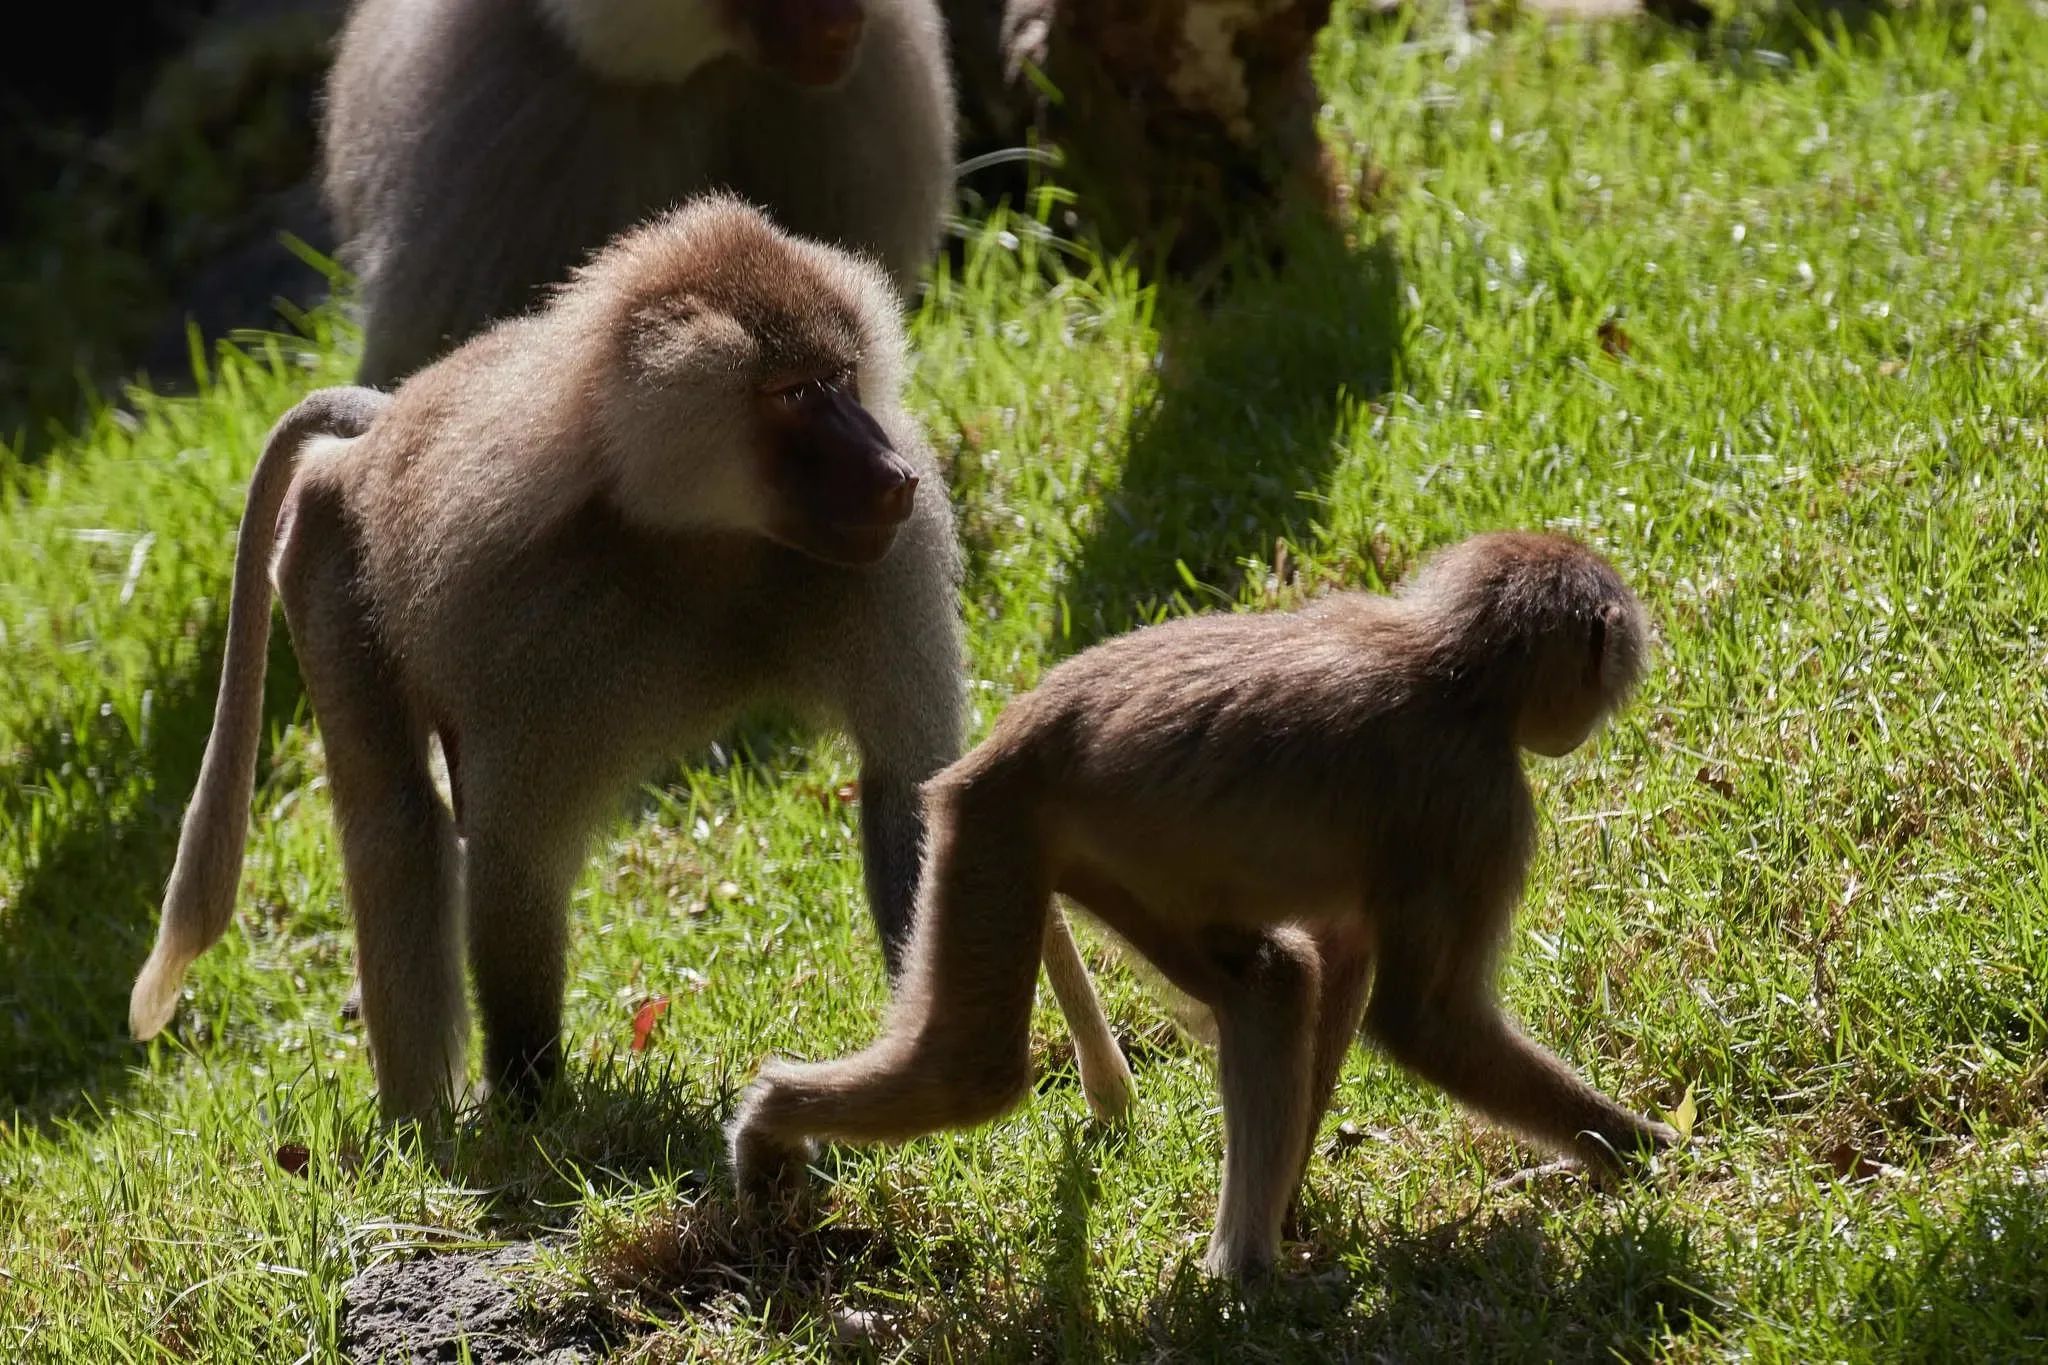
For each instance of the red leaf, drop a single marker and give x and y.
(645, 1019)
(292, 1158)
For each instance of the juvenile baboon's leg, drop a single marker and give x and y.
(398, 843)
(955, 1047)
(1265, 1034)
(1434, 1010)
(519, 871)
(1105, 1075)
(1345, 960)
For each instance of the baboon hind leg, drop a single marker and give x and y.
(955, 1047)
(397, 840)
(352, 1003)
(1265, 1053)
(1344, 957)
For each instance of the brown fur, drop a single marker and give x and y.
(476, 150)
(581, 544)
(1277, 811)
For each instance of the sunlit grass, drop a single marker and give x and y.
(1770, 330)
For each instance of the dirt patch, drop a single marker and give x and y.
(430, 1308)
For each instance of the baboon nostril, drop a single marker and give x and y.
(898, 501)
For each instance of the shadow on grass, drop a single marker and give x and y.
(1975, 1288)
(95, 810)
(1774, 38)
(1494, 1290)
(612, 1128)
(1242, 434)
(1503, 1288)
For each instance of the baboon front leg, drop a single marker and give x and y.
(898, 685)
(1435, 1012)
(955, 1047)
(405, 324)
(892, 848)
(518, 903)
(1265, 1058)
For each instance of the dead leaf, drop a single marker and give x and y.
(293, 1158)
(829, 796)
(1716, 777)
(1350, 1136)
(1888, 368)
(1685, 1115)
(1613, 340)
(863, 1327)
(1367, 188)
(644, 1020)
(1529, 1176)
(1851, 1163)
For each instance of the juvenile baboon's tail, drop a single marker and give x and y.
(201, 896)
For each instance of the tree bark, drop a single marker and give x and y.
(1184, 124)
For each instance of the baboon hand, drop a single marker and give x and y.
(1611, 1165)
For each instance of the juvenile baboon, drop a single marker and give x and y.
(581, 544)
(475, 150)
(1281, 812)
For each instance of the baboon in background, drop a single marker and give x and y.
(583, 543)
(476, 150)
(1278, 811)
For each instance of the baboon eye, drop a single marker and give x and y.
(800, 393)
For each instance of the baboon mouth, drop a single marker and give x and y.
(858, 542)
(845, 543)
(825, 68)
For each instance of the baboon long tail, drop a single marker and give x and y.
(200, 898)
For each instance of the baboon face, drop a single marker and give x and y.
(1580, 676)
(750, 360)
(840, 489)
(811, 43)
(1563, 717)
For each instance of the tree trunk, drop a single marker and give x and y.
(1184, 124)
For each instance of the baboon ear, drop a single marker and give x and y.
(1596, 645)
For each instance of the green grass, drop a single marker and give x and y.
(1801, 877)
